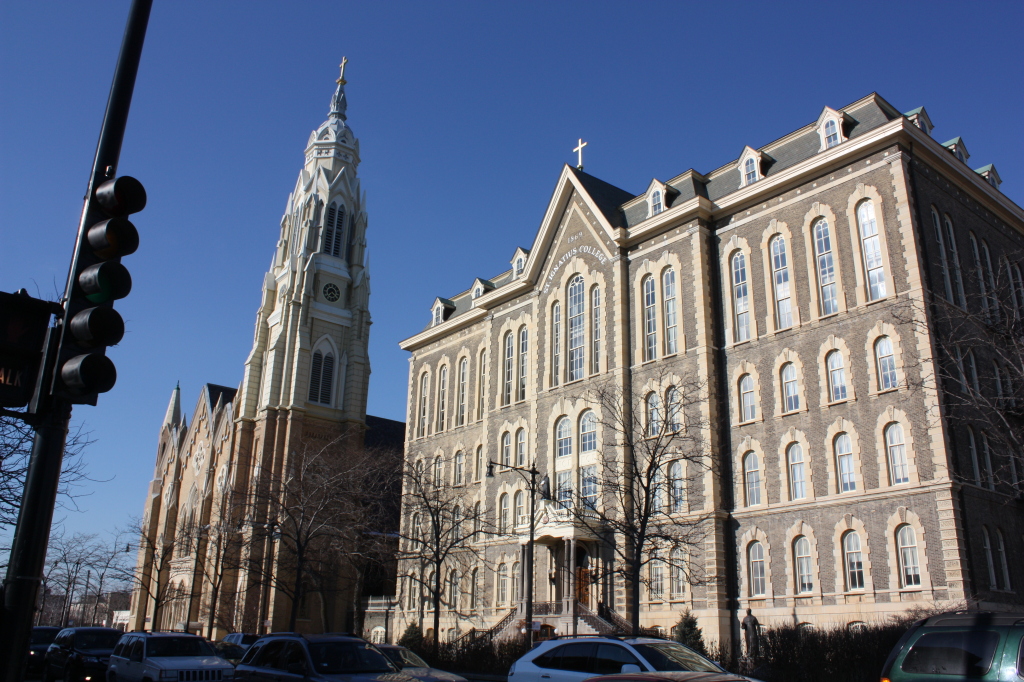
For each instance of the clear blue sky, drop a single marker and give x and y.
(465, 111)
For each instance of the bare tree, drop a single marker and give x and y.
(15, 448)
(439, 535)
(71, 558)
(653, 459)
(976, 323)
(151, 576)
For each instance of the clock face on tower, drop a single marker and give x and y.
(331, 292)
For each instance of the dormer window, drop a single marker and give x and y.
(989, 173)
(438, 315)
(520, 263)
(959, 149)
(919, 117)
(656, 204)
(831, 134)
(749, 171)
(478, 291)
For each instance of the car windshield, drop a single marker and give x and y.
(668, 656)
(341, 658)
(228, 650)
(161, 647)
(248, 640)
(96, 640)
(405, 658)
(44, 635)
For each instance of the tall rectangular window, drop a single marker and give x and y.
(826, 267)
(797, 480)
(595, 314)
(506, 396)
(650, 319)
(460, 413)
(844, 463)
(588, 486)
(954, 260)
(421, 428)
(804, 576)
(524, 359)
(563, 489)
(871, 245)
(740, 298)
(668, 287)
(886, 362)
(442, 397)
(780, 282)
(482, 386)
(556, 343)
(577, 324)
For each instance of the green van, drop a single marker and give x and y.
(965, 645)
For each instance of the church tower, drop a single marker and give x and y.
(309, 368)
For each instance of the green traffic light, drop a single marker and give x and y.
(105, 282)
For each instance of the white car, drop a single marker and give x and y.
(166, 657)
(574, 659)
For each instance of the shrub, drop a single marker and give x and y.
(686, 632)
(412, 637)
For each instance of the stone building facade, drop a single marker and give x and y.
(838, 490)
(305, 380)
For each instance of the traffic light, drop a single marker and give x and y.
(97, 280)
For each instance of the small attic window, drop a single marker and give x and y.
(478, 291)
(519, 266)
(656, 204)
(749, 171)
(831, 134)
(438, 317)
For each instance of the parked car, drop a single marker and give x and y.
(977, 645)
(80, 654)
(575, 659)
(671, 677)
(156, 656)
(289, 657)
(232, 653)
(42, 638)
(242, 639)
(414, 666)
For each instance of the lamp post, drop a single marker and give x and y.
(529, 475)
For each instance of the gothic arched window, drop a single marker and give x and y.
(334, 228)
(668, 295)
(826, 267)
(650, 319)
(588, 432)
(802, 554)
(563, 438)
(321, 377)
(780, 282)
(755, 558)
(577, 307)
(740, 298)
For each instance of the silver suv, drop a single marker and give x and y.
(291, 657)
(166, 657)
(574, 659)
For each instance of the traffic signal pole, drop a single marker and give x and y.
(50, 411)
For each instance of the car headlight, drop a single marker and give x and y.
(227, 673)
(168, 674)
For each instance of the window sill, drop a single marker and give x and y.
(792, 412)
(838, 402)
(829, 316)
(748, 422)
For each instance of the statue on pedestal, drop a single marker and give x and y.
(751, 635)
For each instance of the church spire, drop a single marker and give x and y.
(173, 416)
(339, 104)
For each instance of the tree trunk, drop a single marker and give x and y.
(437, 609)
(297, 593)
(634, 597)
(358, 613)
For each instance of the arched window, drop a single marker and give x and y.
(674, 409)
(506, 394)
(438, 471)
(474, 578)
(653, 404)
(752, 475)
(460, 411)
(563, 438)
(519, 266)
(334, 229)
(506, 449)
(755, 564)
(871, 247)
(802, 556)
(854, 561)
(986, 462)
(321, 377)
(656, 205)
(749, 171)
(521, 447)
(740, 298)
(442, 396)
(972, 446)
(657, 577)
(502, 583)
(457, 522)
(650, 319)
(556, 343)
(563, 489)
(993, 298)
(954, 260)
(826, 267)
(678, 573)
(588, 432)
(943, 260)
(477, 518)
(480, 462)
(899, 472)
(989, 562)
(668, 295)
(676, 487)
(351, 238)
(657, 491)
(910, 571)
(780, 283)
(886, 363)
(520, 509)
(460, 467)
(836, 376)
(503, 512)
(515, 582)
(453, 591)
(1001, 549)
(524, 360)
(481, 386)
(595, 326)
(577, 327)
(831, 134)
(790, 391)
(748, 407)
(588, 486)
(414, 590)
(797, 479)
(844, 463)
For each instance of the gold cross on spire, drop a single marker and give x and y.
(341, 78)
(579, 150)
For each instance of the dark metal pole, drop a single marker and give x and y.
(529, 555)
(32, 533)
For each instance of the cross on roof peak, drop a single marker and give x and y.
(579, 151)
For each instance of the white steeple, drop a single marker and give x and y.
(173, 416)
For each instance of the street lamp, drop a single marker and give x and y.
(529, 475)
